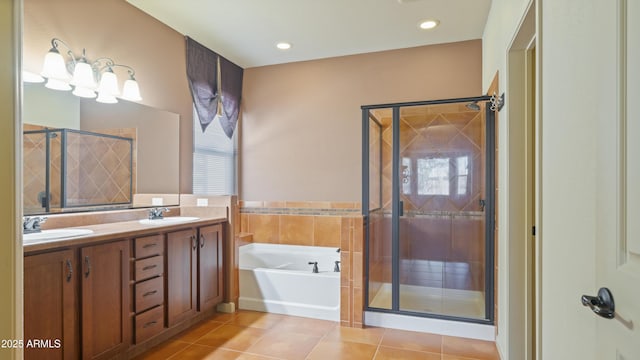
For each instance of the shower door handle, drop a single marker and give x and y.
(400, 208)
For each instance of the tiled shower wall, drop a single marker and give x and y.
(447, 229)
(317, 223)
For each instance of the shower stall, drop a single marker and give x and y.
(428, 203)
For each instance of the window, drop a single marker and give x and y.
(214, 160)
(433, 176)
(462, 165)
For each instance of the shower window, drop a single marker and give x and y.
(433, 176)
(462, 165)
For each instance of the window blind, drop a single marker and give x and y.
(214, 160)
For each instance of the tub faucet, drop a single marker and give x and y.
(156, 213)
(337, 267)
(31, 224)
(315, 266)
(338, 250)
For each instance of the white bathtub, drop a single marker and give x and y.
(278, 279)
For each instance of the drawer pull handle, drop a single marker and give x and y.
(149, 267)
(87, 263)
(149, 293)
(69, 270)
(150, 323)
(146, 246)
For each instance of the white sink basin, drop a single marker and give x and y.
(169, 220)
(54, 234)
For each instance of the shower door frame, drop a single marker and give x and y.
(489, 293)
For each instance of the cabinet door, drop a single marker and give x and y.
(50, 305)
(209, 267)
(181, 275)
(106, 325)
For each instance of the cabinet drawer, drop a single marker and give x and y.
(149, 246)
(149, 324)
(149, 267)
(149, 293)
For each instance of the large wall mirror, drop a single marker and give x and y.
(81, 155)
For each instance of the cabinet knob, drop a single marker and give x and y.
(201, 241)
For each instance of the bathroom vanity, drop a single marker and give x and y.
(122, 289)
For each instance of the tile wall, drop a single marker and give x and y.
(316, 223)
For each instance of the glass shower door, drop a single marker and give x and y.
(380, 134)
(442, 158)
(429, 216)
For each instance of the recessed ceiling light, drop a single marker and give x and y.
(429, 24)
(283, 45)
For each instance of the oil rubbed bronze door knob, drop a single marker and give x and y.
(603, 304)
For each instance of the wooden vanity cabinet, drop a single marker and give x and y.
(194, 272)
(182, 252)
(148, 287)
(210, 290)
(50, 304)
(106, 326)
(111, 300)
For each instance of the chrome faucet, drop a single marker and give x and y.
(157, 213)
(31, 224)
(337, 267)
(315, 266)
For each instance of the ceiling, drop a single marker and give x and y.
(246, 31)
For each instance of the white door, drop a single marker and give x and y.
(618, 190)
(590, 177)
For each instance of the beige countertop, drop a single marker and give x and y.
(115, 231)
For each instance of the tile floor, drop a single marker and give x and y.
(253, 335)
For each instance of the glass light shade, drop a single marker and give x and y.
(29, 77)
(108, 84)
(84, 92)
(106, 98)
(56, 84)
(131, 91)
(83, 75)
(54, 66)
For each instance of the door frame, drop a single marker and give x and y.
(395, 232)
(11, 252)
(523, 193)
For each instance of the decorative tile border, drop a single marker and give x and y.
(311, 208)
(300, 211)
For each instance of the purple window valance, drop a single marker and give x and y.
(212, 86)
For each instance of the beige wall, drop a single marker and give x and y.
(118, 30)
(301, 122)
(10, 250)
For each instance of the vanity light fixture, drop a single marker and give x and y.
(428, 24)
(86, 76)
